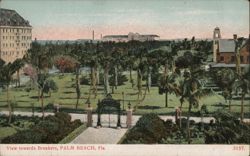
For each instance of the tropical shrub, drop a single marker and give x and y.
(84, 80)
(50, 130)
(65, 63)
(227, 130)
(148, 129)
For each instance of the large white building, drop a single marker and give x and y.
(15, 35)
(131, 36)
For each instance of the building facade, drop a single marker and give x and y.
(15, 35)
(130, 37)
(224, 49)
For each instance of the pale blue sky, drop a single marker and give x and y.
(73, 19)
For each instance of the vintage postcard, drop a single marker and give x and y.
(124, 78)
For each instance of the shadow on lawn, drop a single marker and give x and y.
(131, 94)
(23, 101)
(149, 107)
(35, 97)
(232, 105)
(239, 98)
(68, 92)
(220, 105)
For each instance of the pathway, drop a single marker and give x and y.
(100, 136)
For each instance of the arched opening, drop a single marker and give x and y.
(108, 105)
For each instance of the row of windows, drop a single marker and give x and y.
(13, 45)
(17, 30)
(232, 60)
(17, 37)
(11, 53)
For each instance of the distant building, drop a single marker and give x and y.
(224, 50)
(15, 35)
(131, 36)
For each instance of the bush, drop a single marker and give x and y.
(148, 129)
(227, 130)
(65, 117)
(26, 136)
(50, 130)
(49, 106)
(84, 80)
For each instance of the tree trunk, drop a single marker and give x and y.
(202, 122)
(166, 99)
(242, 107)
(149, 80)
(9, 106)
(97, 76)
(96, 80)
(139, 81)
(116, 77)
(173, 66)
(18, 77)
(238, 68)
(180, 125)
(38, 94)
(130, 76)
(78, 92)
(165, 71)
(188, 123)
(229, 104)
(106, 80)
(42, 104)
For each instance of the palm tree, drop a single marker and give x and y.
(168, 85)
(238, 46)
(106, 61)
(191, 91)
(242, 85)
(6, 72)
(166, 59)
(18, 64)
(225, 79)
(117, 55)
(40, 58)
(79, 56)
(45, 85)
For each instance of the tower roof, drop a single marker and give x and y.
(12, 18)
(217, 28)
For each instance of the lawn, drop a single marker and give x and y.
(6, 131)
(66, 97)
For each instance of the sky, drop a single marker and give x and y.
(170, 19)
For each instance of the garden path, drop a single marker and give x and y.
(102, 135)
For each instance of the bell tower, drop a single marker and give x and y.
(216, 38)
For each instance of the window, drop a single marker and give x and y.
(241, 59)
(232, 59)
(248, 59)
(221, 58)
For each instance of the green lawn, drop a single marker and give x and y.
(66, 97)
(6, 131)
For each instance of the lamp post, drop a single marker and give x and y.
(129, 116)
(89, 113)
(129, 105)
